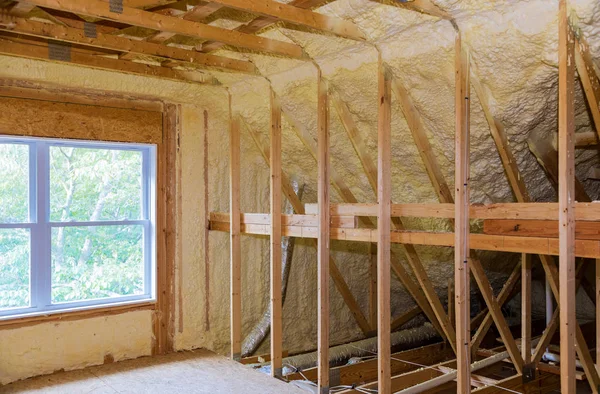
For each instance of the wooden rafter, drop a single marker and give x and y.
(197, 14)
(235, 240)
(260, 23)
(21, 9)
(141, 18)
(589, 78)
(298, 16)
(75, 36)
(34, 49)
(423, 6)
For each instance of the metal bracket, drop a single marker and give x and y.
(59, 51)
(116, 6)
(528, 373)
(90, 30)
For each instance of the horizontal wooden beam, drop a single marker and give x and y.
(288, 220)
(423, 6)
(298, 16)
(116, 43)
(15, 46)
(533, 245)
(531, 211)
(150, 20)
(539, 228)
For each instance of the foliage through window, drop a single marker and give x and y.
(76, 224)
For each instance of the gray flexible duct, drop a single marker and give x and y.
(342, 354)
(263, 327)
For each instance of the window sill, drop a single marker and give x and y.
(9, 323)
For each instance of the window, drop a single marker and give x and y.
(76, 225)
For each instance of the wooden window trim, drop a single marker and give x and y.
(166, 155)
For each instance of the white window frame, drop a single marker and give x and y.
(40, 227)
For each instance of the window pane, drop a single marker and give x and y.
(97, 262)
(14, 268)
(95, 184)
(14, 183)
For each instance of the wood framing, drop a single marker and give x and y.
(234, 233)
(526, 308)
(461, 225)
(566, 198)
(323, 237)
(298, 16)
(140, 18)
(275, 238)
(121, 44)
(589, 78)
(384, 199)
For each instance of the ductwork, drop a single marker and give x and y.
(263, 327)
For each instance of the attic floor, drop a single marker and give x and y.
(198, 371)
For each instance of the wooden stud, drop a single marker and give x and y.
(526, 308)
(566, 198)
(235, 241)
(140, 18)
(598, 315)
(373, 287)
(451, 313)
(461, 250)
(206, 226)
(297, 16)
(323, 237)
(276, 298)
(384, 177)
(131, 47)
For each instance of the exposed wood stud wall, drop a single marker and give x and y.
(276, 206)
(566, 198)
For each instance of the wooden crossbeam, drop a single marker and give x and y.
(257, 24)
(323, 237)
(336, 275)
(34, 49)
(141, 18)
(298, 16)
(539, 228)
(275, 238)
(197, 14)
(235, 240)
(21, 9)
(384, 199)
(76, 36)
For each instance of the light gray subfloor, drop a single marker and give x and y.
(199, 371)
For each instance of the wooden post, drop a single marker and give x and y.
(236, 253)
(323, 236)
(598, 315)
(526, 307)
(566, 198)
(461, 224)
(276, 300)
(384, 191)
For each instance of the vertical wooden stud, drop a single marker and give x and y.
(461, 224)
(276, 299)
(373, 287)
(526, 307)
(451, 314)
(566, 198)
(598, 315)
(384, 197)
(234, 233)
(323, 236)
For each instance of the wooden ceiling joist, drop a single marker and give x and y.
(43, 51)
(298, 16)
(260, 23)
(21, 8)
(423, 6)
(75, 36)
(196, 14)
(155, 21)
